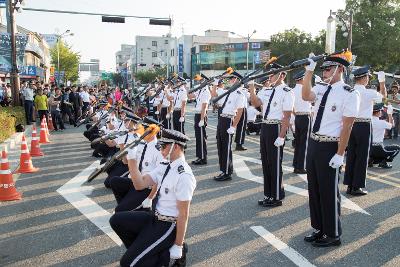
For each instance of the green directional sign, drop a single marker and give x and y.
(106, 76)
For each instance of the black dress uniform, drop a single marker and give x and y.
(332, 103)
(241, 127)
(203, 96)
(232, 102)
(180, 97)
(149, 235)
(275, 101)
(360, 138)
(302, 122)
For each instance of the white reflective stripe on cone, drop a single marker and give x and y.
(5, 172)
(25, 151)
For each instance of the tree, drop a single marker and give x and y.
(69, 61)
(117, 79)
(147, 76)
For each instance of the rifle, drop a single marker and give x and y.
(117, 156)
(109, 136)
(389, 75)
(159, 90)
(101, 118)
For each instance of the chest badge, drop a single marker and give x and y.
(146, 164)
(333, 108)
(229, 102)
(166, 190)
(275, 104)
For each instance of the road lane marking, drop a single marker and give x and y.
(76, 194)
(283, 248)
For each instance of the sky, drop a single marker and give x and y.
(94, 39)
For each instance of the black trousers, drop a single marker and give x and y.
(67, 110)
(165, 122)
(394, 132)
(118, 169)
(201, 137)
(57, 120)
(241, 128)
(323, 190)
(224, 145)
(253, 127)
(271, 157)
(302, 126)
(381, 154)
(28, 105)
(128, 198)
(357, 155)
(178, 126)
(147, 239)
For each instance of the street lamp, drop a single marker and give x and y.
(346, 26)
(248, 46)
(59, 37)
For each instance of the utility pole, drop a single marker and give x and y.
(14, 76)
(350, 37)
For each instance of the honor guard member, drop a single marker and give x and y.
(148, 156)
(164, 105)
(156, 102)
(379, 153)
(153, 238)
(231, 111)
(220, 90)
(336, 107)
(302, 124)
(241, 128)
(277, 108)
(120, 168)
(179, 100)
(361, 133)
(202, 97)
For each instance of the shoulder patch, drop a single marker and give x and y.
(287, 89)
(181, 169)
(348, 88)
(158, 147)
(237, 91)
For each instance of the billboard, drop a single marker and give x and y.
(5, 50)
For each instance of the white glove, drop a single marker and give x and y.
(279, 142)
(146, 204)
(168, 116)
(313, 64)
(215, 82)
(132, 153)
(231, 130)
(181, 119)
(389, 109)
(175, 252)
(336, 161)
(381, 76)
(157, 112)
(317, 79)
(201, 123)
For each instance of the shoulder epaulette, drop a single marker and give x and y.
(238, 91)
(348, 88)
(158, 147)
(287, 89)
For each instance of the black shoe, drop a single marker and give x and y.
(224, 177)
(313, 236)
(326, 241)
(300, 171)
(240, 148)
(370, 165)
(359, 192)
(199, 162)
(247, 132)
(273, 203)
(182, 261)
(384, 165)
(194, 161)
(349, 189)
(219, 175)
(264, 200)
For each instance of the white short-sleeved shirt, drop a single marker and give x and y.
(28, 94)
(246, 96)
(178, 185)
(126, 139)
(283, 100)
(299, 104)
(164, 99)
(180, 96)
(202, 96)
(220, 91)
(235, 101)
(367, 99)
(85, 96)
(152, 156)
(252, 113)
(156, 101)
(342, 102)
(378, 129)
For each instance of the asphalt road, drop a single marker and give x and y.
(62, 221)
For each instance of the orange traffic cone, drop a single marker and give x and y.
(47, 128)
(25, 160)
(35, 146)
(44, 138)
(7, 185)
(50, 124)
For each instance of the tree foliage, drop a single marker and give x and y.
(146, 76)
(69, 61)
(117, 79)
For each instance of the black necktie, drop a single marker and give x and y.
(318, 118)
(226, 100)
(155, 200)
(269, 104)
(142, 157)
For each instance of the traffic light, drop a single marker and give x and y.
(112, 19)
(162, 22)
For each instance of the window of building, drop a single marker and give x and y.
(172, 52)
(154, 54)
(165, 41)
(154, 43)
